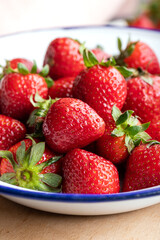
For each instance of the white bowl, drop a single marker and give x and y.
(32, 45)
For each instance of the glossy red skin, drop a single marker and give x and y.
(64, 58)
(144, 57)
(143, 168)
(112, 148)
(154, 130)
(62, 88)
(87, 173)
(101, 88)
(14, 63)
(100, 54)
(6, 166)
(143, 98)
(71, 123)
(143, 21)
(11, 132)
(16, 90)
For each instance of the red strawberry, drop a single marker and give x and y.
(31, 165)
(64, 58)
(142, 21)
(12, 66)
(100, 54)
(71, 123)
(144, 97)
(11, 132)
(101, 86)
(85, 172)
(62, 88)
(116, 145)
(143, 169)
(16, 89)
(154, 130)
(138, 55)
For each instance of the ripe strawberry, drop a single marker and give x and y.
(101, 86)
(116, 145)
(71, 123)
(154, 130)
(12, 65)
(100, 54)
(143, 169)
(138, 55)
(11, 132)
(62, 88)
(142, 21)
(85, 172)
(31, 165)
(16, 89)
(64, 58)
(144, 97)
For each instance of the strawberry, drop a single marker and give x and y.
(116, 145)
(138, 55)
(142, 21)
(11, 132)
(16, 89)
(100, 54)
(12, 65)
(71, 123)
(85, 172)
(62, 88)
(154, 130)
(143, 168)
(101, 85)
(143, 97)
(31, 165)
(64, 58)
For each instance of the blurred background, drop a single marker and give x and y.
(20, 15)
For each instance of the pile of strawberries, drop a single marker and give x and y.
(99, 119)
(149, 18)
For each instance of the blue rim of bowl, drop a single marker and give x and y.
(78, 27)
(74, 198)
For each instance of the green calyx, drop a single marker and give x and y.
(36, 118)
(22, 69)
(27, 173)
(127, 125)
(90, 60)
(124, 53)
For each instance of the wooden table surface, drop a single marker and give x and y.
(21, 223)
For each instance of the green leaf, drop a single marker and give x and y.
(34, 67)
(133, 130)
(32, 118)
(9, 178)
(118, 133)
(123, 117)
(45, 71)
(47, 163)
(52, 179)
(9, 156)
(110, 62)
(38, 98)
(37, 151)
(124, 71)
(20, 153)
(22, 69)
(119, 44)
(116, 113)
(89, 58)
(143, 136)
(129, 143)
(148, 80)
(49, 82)
(82, 47)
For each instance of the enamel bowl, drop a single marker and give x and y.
(32, 45)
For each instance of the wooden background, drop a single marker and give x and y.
(21, 223)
